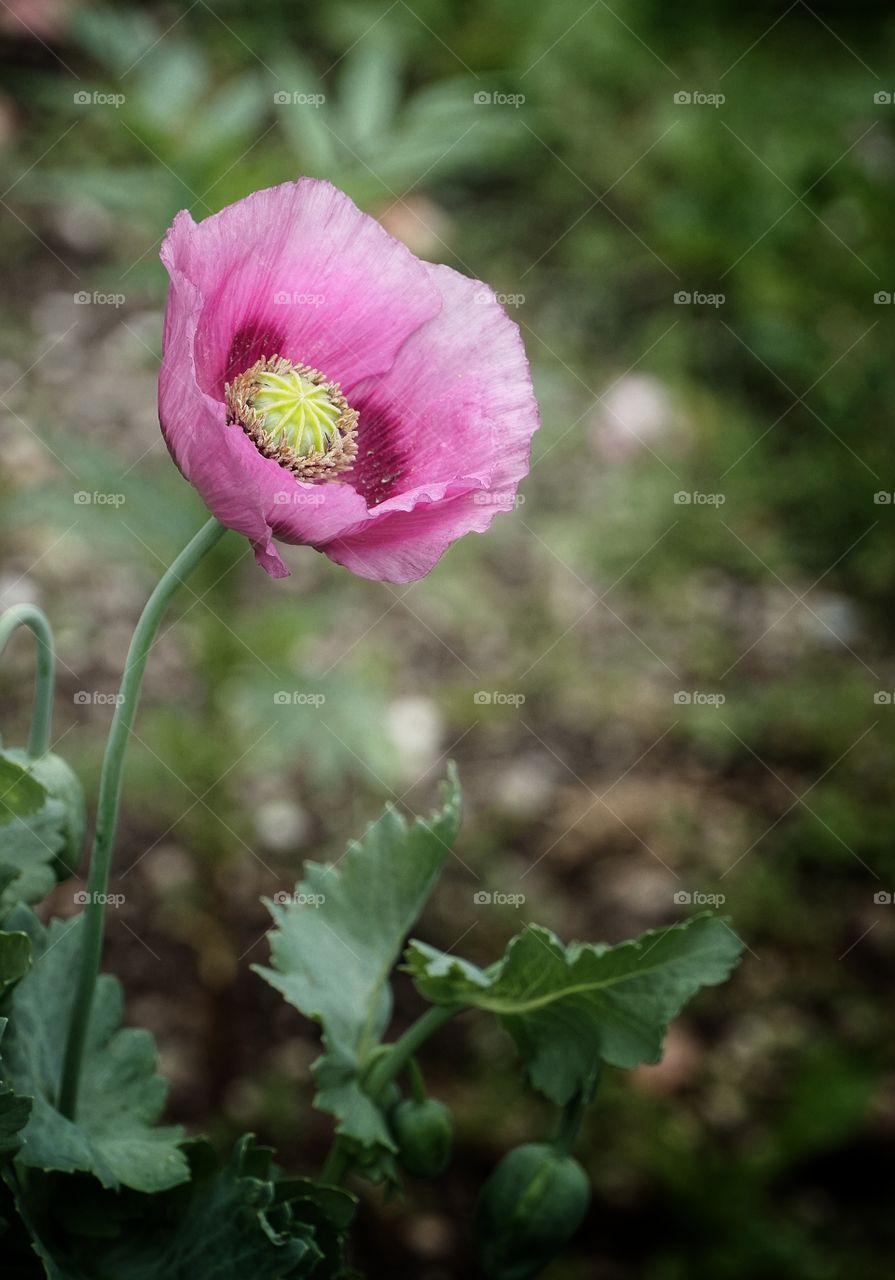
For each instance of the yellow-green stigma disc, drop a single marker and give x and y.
(296, 412)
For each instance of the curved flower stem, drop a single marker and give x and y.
(109, 797)
(339, 1161)
(392, 1062)
(28, 615)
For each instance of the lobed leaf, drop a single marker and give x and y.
(569, 1007)
(336, 943)
(121, 1096)
(231, 1221)
(31, 835)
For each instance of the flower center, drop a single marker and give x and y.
(295, 416)
(296, 412)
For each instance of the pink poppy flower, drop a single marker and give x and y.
(321, 385)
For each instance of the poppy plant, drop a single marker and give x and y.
(321, 385)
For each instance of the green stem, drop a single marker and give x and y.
(338, 1164)
(339, 1161)
(28, 615)
(416, 1081)
(572, 1115)
(569, 1124)
(391, 1063)
(109, 798)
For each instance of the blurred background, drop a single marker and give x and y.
(667, 678)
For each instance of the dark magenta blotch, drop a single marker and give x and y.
(381, 463)
(250, 342)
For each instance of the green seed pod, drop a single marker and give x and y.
(530, 1207)
(424, 1132)
(62, 784)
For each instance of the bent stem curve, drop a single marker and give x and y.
(109, 798)
(28, 615)
(340, 1158)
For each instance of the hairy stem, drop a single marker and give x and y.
(28, 615)
(109, 798)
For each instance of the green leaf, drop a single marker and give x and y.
(15, 958)
(312, 141)
(568, 1007)
(229, 1222)
(333, 960)
(121, 1097)
(370, 88)
(14, 1113)
(231, 117)
(31, 835)
(63, 785)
